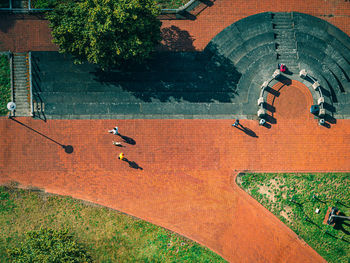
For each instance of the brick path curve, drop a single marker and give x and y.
(187, 182)
(24, 33)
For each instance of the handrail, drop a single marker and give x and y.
(182, 10)
(30, 83)
(11, 79)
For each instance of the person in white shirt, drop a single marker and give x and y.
(114, 131)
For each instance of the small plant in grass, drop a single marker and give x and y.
(5, 84)
(296, 196)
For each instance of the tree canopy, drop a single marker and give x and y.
(48, 245)
(106, 32)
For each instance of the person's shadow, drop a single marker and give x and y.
(132, 164)
(127, 139)
(246, 130)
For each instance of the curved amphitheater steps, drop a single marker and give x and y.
(221, 82)
(301, 42)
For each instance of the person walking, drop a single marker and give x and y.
(117, 144)
(121, 156)
(114, 131)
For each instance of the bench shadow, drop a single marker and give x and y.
(269, 107)
(275, 93)
(341, 222)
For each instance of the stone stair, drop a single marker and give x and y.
(286, 44)
(21, 88)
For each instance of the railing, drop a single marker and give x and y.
(11, 80)
(23, 10)
(30, 84)
(38, 106)
(188, 11)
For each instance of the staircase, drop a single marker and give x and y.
(286, 45)
(21, 88)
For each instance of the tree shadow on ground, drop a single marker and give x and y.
(176, 77)
(6, 23)
(175, 39)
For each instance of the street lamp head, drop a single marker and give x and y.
(11, 106)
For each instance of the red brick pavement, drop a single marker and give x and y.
(31, 33)
(187, 182)
(225, 12)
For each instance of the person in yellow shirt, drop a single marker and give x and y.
(121, 156)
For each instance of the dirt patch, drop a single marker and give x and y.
(264, 189)
(287, 214)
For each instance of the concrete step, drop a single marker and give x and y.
(22, 107)
(285, 38)
(290, 46)
(20, 85)
(24, 58)
(282, 16)
(283, 27)
(20, 72)
(20, 61)
(21, 94)
(20, 67)
(22, 102)
(286, 50)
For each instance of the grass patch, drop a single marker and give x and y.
(171, 4)
(51, 3)
(293, 198)
(108, 235)
(5, 84)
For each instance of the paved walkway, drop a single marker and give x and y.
(187, 182)
(31, 33)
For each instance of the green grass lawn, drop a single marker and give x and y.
(293, 198)
(52, 3)
(108, 235)
(5, 84)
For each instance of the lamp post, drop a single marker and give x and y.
(11, 106)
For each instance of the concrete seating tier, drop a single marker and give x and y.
(261, 51)
(329, 65)
(314, 22)
(226, 75)
(326, 49)
(251, 44)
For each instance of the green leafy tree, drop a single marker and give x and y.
(106, 32)
(49, 246)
